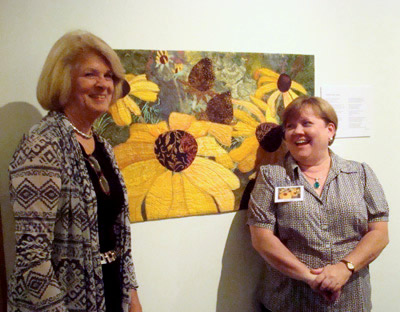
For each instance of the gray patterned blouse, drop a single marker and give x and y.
(319, 230)
(57, 266)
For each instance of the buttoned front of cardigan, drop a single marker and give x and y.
(319, 230)
(57, 265)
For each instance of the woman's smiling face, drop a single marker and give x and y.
(92, 85)
(307, 137)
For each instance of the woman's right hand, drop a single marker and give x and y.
(315, 281)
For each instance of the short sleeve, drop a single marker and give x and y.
(378, 209)
(261, 211)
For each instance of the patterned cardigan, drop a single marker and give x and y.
(57, 266)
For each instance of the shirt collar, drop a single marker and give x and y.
(338, 165)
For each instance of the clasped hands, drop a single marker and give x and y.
(329, 280)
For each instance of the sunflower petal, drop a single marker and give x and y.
(142, 132)
(260, 103)
(243, 129)
(147, 96)
(158, 128)
(261, 91)
(179, 121)
(248, 163)
(265, 72)
(178, 206)
(132, 79)
(215, 180)
(251, 108)
(272, 101)
(197, 201)
(245, 117)
(120, 113)
(131, 152)
(131, 105)
(146, 85)
(248, 146)
(223, 133)
(253, 175)
(295, 85)
(140, 136)
(138, 178)
(266, 79)
(225, 160)
(270, 111)
(287, 98)
(159, 198)
(293, 94)
(220, 172)
(208, 146)
(199, 128)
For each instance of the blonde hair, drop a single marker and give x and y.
(321, 108)
(54, 85)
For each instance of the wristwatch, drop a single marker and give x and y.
(349, 265)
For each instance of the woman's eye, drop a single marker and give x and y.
(89, 74)
(289, 126)
(109, 76)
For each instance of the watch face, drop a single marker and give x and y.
(349, 265)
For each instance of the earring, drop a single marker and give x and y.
(330, 140)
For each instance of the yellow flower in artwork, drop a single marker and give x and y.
(170, 171)
(141, 88)
(279, 84)
(162, 58)
(254, 119)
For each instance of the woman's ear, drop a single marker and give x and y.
(332, 128)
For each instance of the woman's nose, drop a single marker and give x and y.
(102, 82)
(298, 129)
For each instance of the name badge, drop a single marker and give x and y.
(289, 193)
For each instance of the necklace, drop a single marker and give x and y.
(316, 183)
(86, 136)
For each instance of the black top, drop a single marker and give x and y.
(108, 206)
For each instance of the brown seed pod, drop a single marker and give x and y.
(219, 108)
(284, 83)
(202, 76)
(175, 150)
(270, 136)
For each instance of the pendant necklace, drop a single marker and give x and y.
(316, 183)
(82, 134)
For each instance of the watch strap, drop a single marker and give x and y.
(349, 265)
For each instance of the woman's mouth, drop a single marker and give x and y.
(302, 142)
(98, 96)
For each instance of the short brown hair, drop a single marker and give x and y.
(320, 107)
(54, 86)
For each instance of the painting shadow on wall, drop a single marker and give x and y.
(16, 118)
(242, 268)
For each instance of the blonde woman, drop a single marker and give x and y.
(73, 246)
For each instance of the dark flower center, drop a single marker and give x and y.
(284, 82)
(220, 109)
(270, 136)
(164, 59)
(202, 77)
(175, 150)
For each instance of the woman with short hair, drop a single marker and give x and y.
(318, 245)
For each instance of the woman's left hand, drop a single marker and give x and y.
(330, 278)
(135, 303)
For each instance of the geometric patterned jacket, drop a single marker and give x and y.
(57, 266)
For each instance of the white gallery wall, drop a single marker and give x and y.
(206, 263)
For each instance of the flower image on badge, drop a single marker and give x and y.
(289, 193)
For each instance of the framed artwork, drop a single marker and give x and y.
(196, 125)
